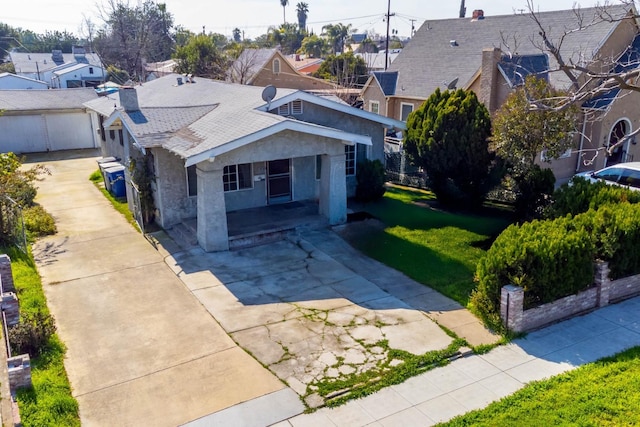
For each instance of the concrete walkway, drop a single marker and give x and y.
(475, 381)
(141, 350)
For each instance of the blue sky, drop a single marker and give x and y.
(255, 16)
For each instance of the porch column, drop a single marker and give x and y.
(333, 189)
(212, 212)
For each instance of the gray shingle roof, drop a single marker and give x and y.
(40, 62)
(51, 99)
(432, 59)
(192, 118)
(516, 68)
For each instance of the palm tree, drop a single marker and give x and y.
(303, 10)
(337, 35)
(284, 4)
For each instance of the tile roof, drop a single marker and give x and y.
(442, 50)
(51, 99)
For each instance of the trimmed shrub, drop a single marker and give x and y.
(583, 195)
(534, 189)
(370, 177)
(38, 222)
(549, 259)
(32, 334)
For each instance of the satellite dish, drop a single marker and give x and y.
(268, 93)
(452, 84)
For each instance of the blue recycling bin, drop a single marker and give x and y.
(115, 179)
(103, 169)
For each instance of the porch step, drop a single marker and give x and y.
(248, 240)
(184, 235)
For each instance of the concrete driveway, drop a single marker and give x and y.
(141, 349)
(312, 309)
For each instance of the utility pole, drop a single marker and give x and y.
(463, 9)
(386, 50)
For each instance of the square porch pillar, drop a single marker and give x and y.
(333, 189)
(213, 234)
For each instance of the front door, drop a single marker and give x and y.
(279, 181)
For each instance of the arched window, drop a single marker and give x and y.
(618, 153)
(276, 66)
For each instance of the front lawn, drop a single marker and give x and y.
(604, 393)
(435, 247)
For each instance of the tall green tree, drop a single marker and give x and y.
(347, 70)
(522, 135)
(284, 4)
(302, 9)
(313, 46)
(132, 36)
(337, 35)
(8, 39)
(448, 136)
(200, 57)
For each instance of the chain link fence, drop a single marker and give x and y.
(12, 229)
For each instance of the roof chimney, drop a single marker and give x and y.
(128, 98)
(478, 14)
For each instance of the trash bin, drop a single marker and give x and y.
(103, 168)
(115, 179)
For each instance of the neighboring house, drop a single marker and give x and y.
(40, 66)
(46, 120)
(217, 147)
(13, 81)
(158, 69)
(375, 61)
(462, 53)
(305, 65)
(78, 75)
(264, 67)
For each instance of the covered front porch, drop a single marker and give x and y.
(254, 226)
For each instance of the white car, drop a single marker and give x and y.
(622, 174)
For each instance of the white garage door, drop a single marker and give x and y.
(50, 132)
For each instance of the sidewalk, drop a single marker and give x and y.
(475, 381)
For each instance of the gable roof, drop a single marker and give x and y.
(387, 81)
(30, 63)
(442, 50)
(51, 99)
(249, 64)
(629, 60)
(205, 118)
(516, 68)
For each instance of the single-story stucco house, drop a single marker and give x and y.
(214, 147)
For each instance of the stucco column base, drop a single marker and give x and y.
(333, 189)
(213, 234)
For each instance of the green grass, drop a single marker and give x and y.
(49, 402)
(435, 247)
(604, 393)
(119, 203)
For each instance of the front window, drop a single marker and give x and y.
(237, 177)
(350, 159)
(374, 107)
(405, 110)
(276, 66)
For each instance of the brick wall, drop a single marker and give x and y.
(6, 276)
(19, 372)
(603, 292)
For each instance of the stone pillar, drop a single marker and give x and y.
(602, 282)
(19, 368)
(512, 307)
(213, 234)
(10, 308)
(6, 274)
(333, 189)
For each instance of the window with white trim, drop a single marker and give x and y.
(296, 107)
(283, 110)
(350, 159)
(374, 107)
(237, 177)
(276, 66)
(405, 110)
